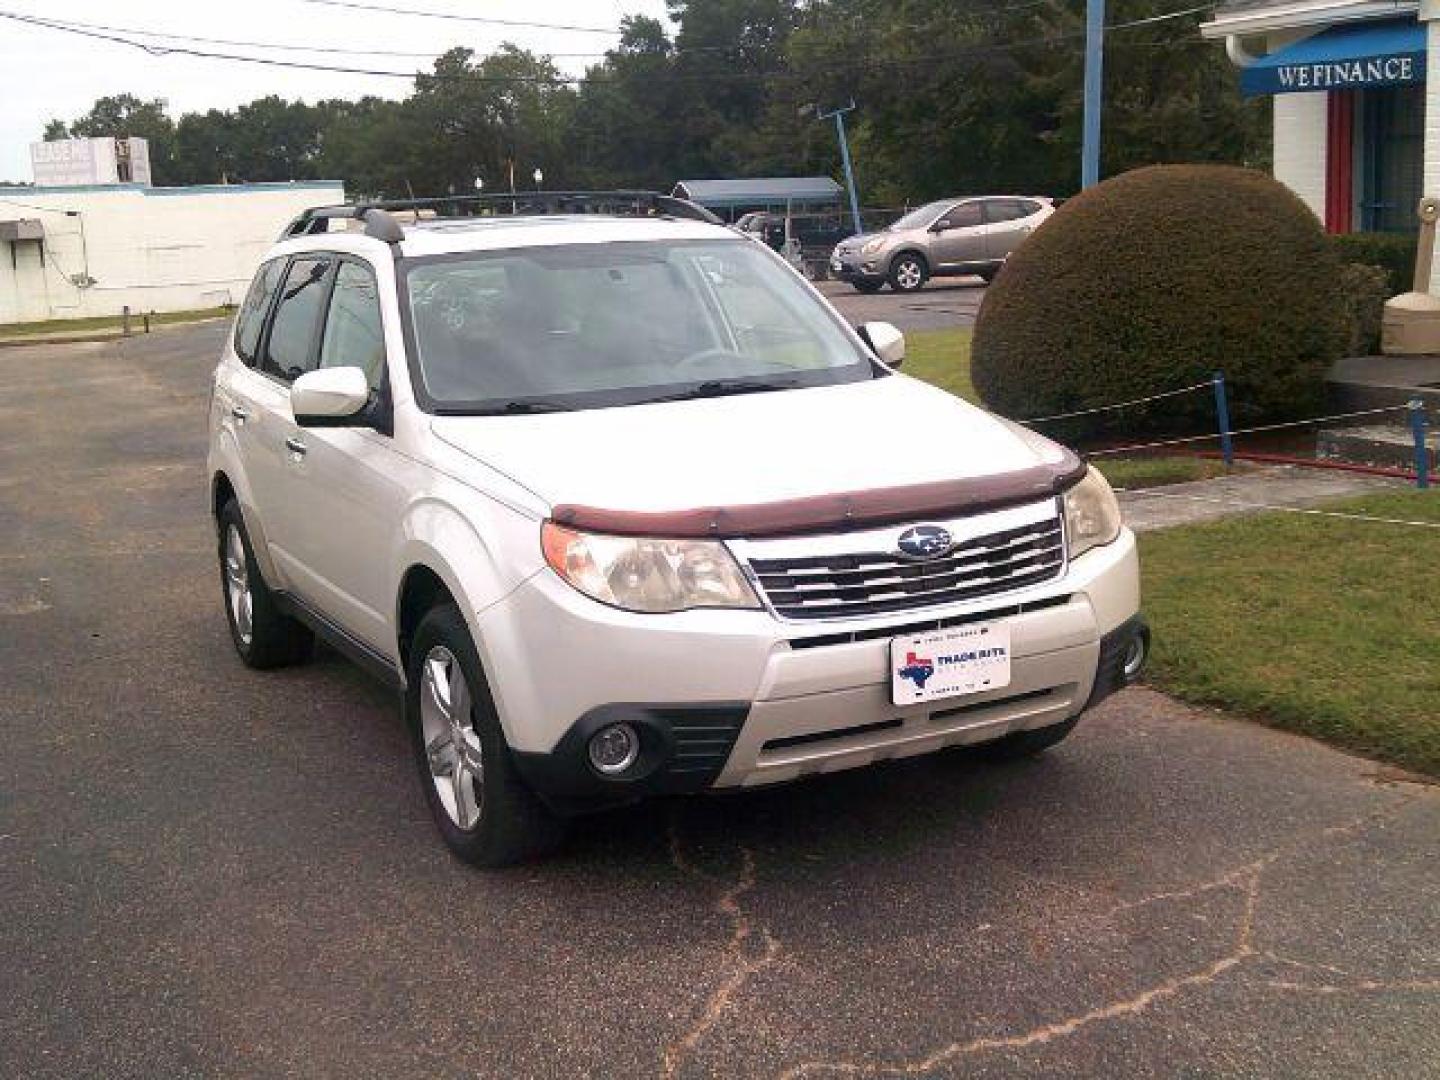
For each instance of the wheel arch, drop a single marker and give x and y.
(924, 259)
(221, 492)
(421, 588)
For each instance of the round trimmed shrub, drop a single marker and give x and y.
(1155, 280)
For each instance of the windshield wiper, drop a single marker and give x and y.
(520, 408)
(724, 388)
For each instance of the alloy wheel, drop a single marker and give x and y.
(452, 745)
(908, 275)
(237, 586)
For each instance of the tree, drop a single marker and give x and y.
(126, 116)
(951, 95)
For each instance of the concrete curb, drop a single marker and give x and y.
(81, 337)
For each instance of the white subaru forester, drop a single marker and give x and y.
(623, 507)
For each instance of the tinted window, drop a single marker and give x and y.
(918, 218)
(252, 312)
(596, 325)
(291, 348)
(962, 217)
(353, 334)
(1008, 209)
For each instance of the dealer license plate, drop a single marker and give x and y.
(948, 663)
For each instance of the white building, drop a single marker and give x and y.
(76, 251)
(1357, 125)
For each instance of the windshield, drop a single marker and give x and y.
(921, 216)
(585, 326)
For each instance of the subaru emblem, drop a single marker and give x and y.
(925, 542)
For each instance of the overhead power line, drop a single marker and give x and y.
(274, 45)
(115, 35)
(455, 17)
(333, 50)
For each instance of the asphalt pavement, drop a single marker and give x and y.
(942, 303)
(209, 871)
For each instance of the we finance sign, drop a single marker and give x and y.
(1339, 74)
(1351, 57)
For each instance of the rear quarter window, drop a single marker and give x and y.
(251, 319)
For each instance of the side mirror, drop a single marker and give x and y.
(329, 397)
(887, 342)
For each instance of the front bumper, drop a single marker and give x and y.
(741, 698)
(852, 268)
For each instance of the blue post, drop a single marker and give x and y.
(849, 172)
(1422, 453)
(1222, 417)
(1094, 69)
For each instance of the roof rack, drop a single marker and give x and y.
(380, 223)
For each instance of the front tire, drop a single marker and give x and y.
(263, 636)
(485, 812)
(908, 273)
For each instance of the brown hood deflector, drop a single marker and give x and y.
(837, 512)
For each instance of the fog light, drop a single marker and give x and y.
(614, 748)
(1135, 655)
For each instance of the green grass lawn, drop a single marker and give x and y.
(108, 322)
(942, 358)
(1326, 627)
(1148, 472)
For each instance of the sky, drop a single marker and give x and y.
(46, 74)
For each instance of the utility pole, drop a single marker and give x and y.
(1094, 69)
(839, 115)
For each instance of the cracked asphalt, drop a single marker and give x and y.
(214, 872)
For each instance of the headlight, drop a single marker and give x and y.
(872, 246)
(1092, 514)
(643, 574)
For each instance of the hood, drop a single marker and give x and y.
(749, 448)
(852, 243)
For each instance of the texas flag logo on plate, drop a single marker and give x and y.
(970, 659)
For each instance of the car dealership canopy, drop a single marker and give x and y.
(760, 192)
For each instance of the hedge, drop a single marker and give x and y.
(1392, 252)
(1152, 281)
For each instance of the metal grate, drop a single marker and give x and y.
(867, 583)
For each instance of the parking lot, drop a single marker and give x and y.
(212, 871)
(942, 303)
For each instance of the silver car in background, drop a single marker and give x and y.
(950, 237)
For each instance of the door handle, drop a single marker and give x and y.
(295, 446)
(239, 413)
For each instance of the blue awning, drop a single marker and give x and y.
(1342, 58)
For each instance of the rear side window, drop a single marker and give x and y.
(290, 350)
(252, 313)
(997, 210)
(353, 333)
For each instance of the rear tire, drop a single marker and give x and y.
(908, 273)
(1024, 744)
(264, 637)
(485, 812)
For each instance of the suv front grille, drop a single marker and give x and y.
(867, 583)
